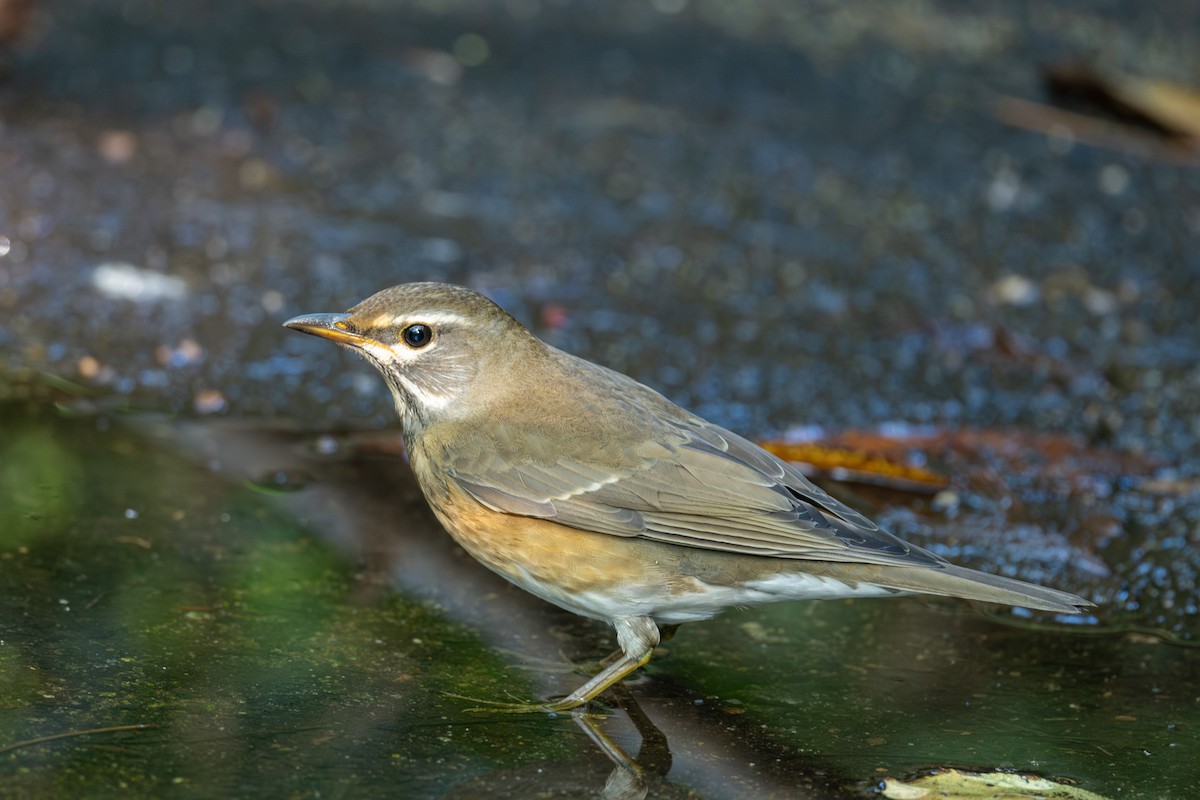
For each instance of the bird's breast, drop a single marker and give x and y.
(592, 574)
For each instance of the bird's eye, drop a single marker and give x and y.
(417, 335)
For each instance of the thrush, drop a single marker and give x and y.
(596, 493)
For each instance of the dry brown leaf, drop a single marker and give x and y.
(861, 463)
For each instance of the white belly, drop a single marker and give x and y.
(695, 601)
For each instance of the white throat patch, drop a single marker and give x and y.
(434, 394)
(434, 401)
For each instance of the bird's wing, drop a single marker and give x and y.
(694, 485)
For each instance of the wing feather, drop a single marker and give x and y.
(694, 485)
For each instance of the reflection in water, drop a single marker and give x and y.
(630, 778)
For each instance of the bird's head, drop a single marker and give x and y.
(441, 348)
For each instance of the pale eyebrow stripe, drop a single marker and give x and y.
(430, 318)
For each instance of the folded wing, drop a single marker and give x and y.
(695, 485)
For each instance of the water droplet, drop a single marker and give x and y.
(5, 246)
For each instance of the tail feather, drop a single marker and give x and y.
(952, 581)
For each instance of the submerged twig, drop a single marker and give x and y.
(69, 734)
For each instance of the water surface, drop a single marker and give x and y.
(309, 639)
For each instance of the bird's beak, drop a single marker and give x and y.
(327, 326)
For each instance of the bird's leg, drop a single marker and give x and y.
(665, 634)
(637, 637)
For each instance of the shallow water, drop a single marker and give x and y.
(282, 615)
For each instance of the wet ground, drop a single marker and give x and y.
(293, 623)
(781, 215)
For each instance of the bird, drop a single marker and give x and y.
(596, 493)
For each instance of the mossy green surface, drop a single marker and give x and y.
(138, 589)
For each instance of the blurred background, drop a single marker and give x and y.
(777, 213)
(967, 231)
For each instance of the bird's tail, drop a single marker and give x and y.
(952, 581)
